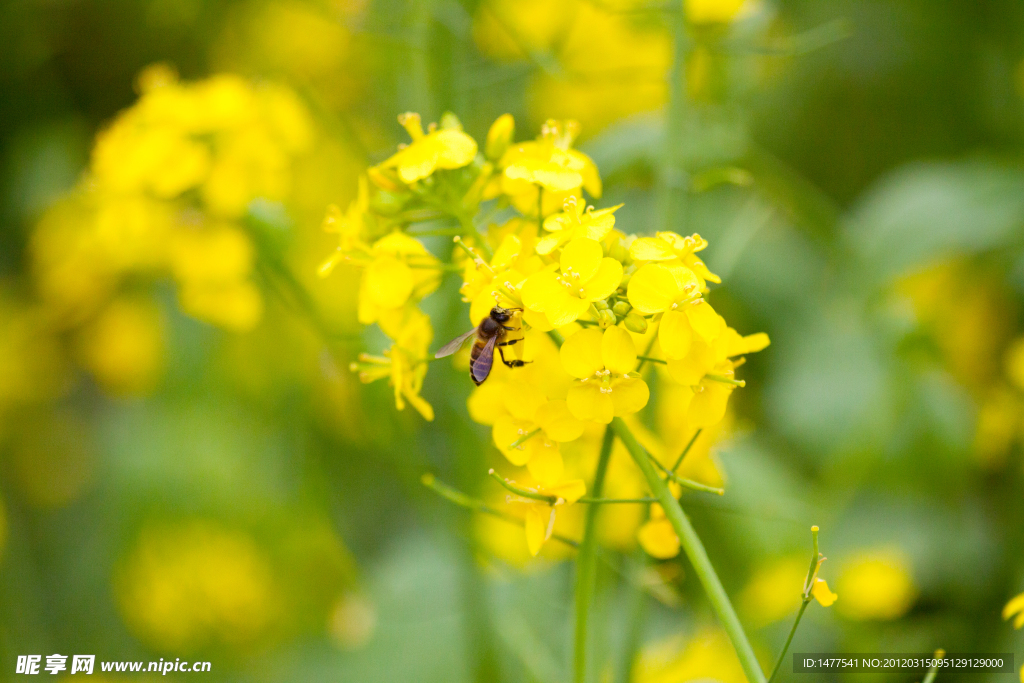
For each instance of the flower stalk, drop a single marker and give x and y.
(694, 549)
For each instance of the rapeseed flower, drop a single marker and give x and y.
(404, 364)
(564, 291)
(604, 363)
(398, 270)
(876, 585)
(540, 516)
(444, 148)
(1015, 610)
(536, 427)
(575, 222)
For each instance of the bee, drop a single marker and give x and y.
(491, 332)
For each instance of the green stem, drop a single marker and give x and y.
(686, 450)
(812, 574)
(934, 671)
(586, 562)
(789, 639)
(613, 501)
(695, 552)
(652, 360)
(634, 632)
(532, 495)
(672, 179)
(518, 442)
(685, 483)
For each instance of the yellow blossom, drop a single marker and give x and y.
(657, 537)
(565, 290)
(603, 363)
(444, 148)
(550, 419)
(399, 269)
(574, 222)
(704, 656)
(405, 363)
(713, 11)
(540, 516)
(351, 227)
(1015, 609)
(876, 585)
(671, 250)
(124, 347)
(822, 594)
(548, 164)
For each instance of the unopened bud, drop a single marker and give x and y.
(450, 121)
(606, 319)
(621, 308)
(620, 253)
(499, 137)
(383, 179)
(636, 322)
(601, 305)
(626, 277)
(389, 203)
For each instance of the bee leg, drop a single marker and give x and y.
(510, 363)
(510, 342)
(510, 329)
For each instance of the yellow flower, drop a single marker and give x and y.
(1015, 607)
(672, 250)
(713, 11)
(399, 269)
(876, 585)
(657, 537)
(351, 227)
(1015, 362)
(540, 452)
(124, 347)
(444, 148)
(822, 594)
(705, 656)
(564, 291)
(547, 164)
(774, 590)
(540, 516)
(603, 363)
(405, 363)
(674, 292)
(574, 222)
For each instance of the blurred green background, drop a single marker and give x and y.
(238, 497)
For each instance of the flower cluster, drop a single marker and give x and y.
(590, 307)
(170, 185)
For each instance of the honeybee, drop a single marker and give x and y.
(491, 332)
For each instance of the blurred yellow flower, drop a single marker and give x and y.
(604, 364)
(1015, 363)
(351, 228)
(398, 270)
(124, 347)
(444, 148)
(773, 592)
(876, 584)
(540, 516)
(657, 537)
(405, 363)
(1015, 610)
(705, 656)
(563, 292)
(190, 586)
(549, 422)
(713, 11)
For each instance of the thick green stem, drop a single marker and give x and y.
(586, 563)
(672, 179)
(694, 549)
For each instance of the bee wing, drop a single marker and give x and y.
(454, 345)
(480, 366)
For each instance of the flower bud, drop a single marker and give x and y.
(620, 253)
(606, 319)
(601, 305)
(388, 203)
(636, 322)
(450, 121)
(499, 137)
(626, 277)
(621, 308)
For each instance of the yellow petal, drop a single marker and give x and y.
(456, 149)
(547, 244)
(540, 290)
(705, 321)
(822, 594)
(629, 395)
(580, 260)
(675, 335)
(1015, 605)
(545, 462)
(487, 402)
(558, 423)
(618, 351)
(605, 281)
(506, 431)
(387, 282)
(522, 399)
(658, 539)
(752, 343)
(537, 517)
(708, 405)
(569, 491)
(581, 353)
(564, 309)
(687, 370)
(652, 289)
(587, 402)
(651, 249)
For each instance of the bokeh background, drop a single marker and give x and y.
(197, 477)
